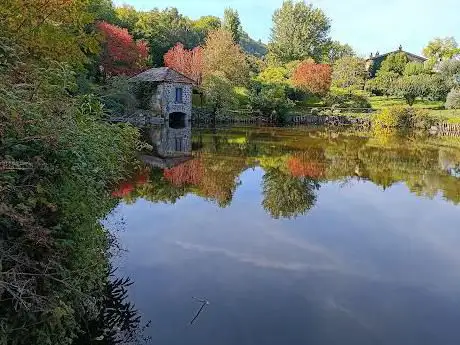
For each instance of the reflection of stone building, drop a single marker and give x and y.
(163, 93)
(374, 62)
(171, 142)
(171, 146)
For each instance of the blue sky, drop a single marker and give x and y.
(367, 26)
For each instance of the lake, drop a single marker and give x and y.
(296, 236)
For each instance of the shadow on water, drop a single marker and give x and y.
(116, 320)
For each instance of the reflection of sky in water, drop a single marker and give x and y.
(362, 267)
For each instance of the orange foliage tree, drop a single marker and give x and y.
(312, 77)
(121, 55)
(188, 62)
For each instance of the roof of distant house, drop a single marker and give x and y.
(162, 74)
(413, 56)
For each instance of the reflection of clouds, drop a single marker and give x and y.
(304, 245)
(258, 261)
(333, 305)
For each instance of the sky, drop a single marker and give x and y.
(368, 26)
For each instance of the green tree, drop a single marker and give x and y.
(222, 56)
(127, 17)
(453, 99)
(219, 92)
(439, 87)
(50, 29)
(395, 63)
(270, 100)
(411, 87)
(299, 31)
(414, 68)
(103, 10)
(349, 72)
(382, 84)
(204, 25)
(232, 24)
(207, 23)
(163, 30)
(274, 75)
(441, 49)
(450, 72)
(335, 50)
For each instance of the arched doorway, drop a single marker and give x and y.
(177, 120)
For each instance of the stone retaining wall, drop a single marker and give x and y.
(205, 116)
(332, 120)
(449, 129)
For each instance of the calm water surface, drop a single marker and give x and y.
(297, 236)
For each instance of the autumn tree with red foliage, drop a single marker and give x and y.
(121, 55)
(188, 62)
(306, 165)
(312, 77)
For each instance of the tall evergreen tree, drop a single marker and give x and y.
(232, 23)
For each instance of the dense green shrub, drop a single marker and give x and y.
(402, 118)
(219, 93)
(411, 87)
(343, 99)
(270, 100)
(414, 68)
(395, 63)
(349, 72)
(438, 88)
(58, 161)
(453, 99)
(382, 84)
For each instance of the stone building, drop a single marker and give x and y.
(163, 93)
(374, 62)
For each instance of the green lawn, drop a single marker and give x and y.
(450, 116)
(379, 102)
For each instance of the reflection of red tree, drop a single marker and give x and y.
(123, 190)
(190, 172)
(127, 187)
(301, 165)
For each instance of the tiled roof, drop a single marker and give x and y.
(415, 57)
(162, 74)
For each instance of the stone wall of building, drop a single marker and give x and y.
(166, 92)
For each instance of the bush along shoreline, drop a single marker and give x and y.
(59, 160)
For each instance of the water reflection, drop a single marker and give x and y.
(298, 236)
(295, 161)
(171, 140)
